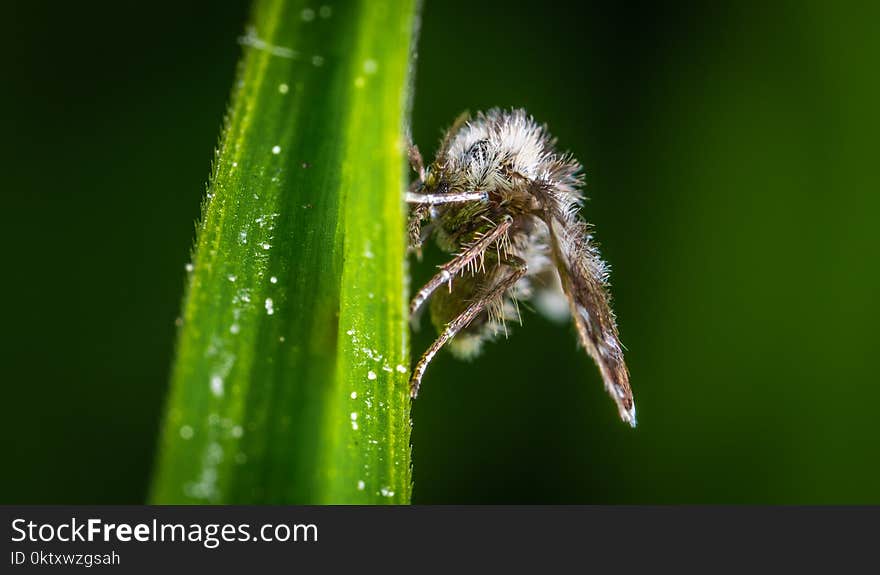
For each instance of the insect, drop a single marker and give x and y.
(505, 203)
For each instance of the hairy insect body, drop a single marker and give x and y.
(523, 247)
(505, 203)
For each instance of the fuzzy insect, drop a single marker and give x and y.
(502, 200)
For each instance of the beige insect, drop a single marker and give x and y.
(506, 203)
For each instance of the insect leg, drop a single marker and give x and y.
(416, 216)
(415, 161)
(518, 269)
(449, 269)
(437, 199)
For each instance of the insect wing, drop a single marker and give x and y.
(583, 277)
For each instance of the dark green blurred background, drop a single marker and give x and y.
(732, 158)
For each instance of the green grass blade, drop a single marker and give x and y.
(289, 384)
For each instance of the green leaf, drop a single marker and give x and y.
(290, 379)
